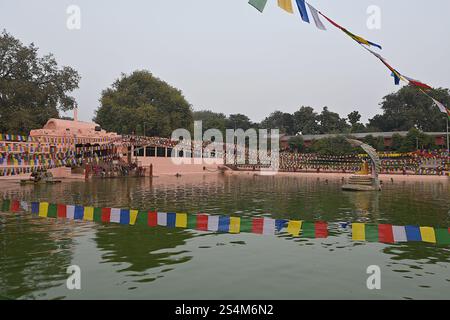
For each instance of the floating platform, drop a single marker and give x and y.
(361, 183)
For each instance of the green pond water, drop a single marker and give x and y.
(131, 262)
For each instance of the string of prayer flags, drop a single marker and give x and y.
(286, 5)
(258, 4)
(383, 233)
(418, 83)
(355, 37)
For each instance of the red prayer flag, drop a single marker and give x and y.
(385, 233)
(321, 229)
(106, 214)
(258, 225)
(202, 222)
(61, 211)
(152, 218)
(15, 206)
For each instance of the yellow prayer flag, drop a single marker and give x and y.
(181, 220)
(133, 217)
(88, 213)
(358, 232)
(235, 225)
(286, 5)
(428, 234)
(294, 227)
(43, 209)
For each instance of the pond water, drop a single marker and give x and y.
(125, 262)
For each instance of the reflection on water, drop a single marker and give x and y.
(168, 263)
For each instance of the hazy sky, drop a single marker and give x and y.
(226, 56)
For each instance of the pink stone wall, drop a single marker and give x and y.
(165, 166)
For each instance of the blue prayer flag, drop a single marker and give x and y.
(79, 213)
(280, 224)
(171, 219)
(35, 207)
(413, 233)
(124, 216)
(302, 8)
(224, 224)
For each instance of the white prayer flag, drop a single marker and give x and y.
(316, 17)
(115, 215)
(213, 223)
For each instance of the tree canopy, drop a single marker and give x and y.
(32, 88)
(409, 108)
(141, 102)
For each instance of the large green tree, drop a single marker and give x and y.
(306, 121)
(409, 108)
(331, 122)
(280, 120)
(32, 88)
(141, 102)
(211, 120)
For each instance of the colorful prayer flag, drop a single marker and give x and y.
(269, 226)
(257, 225)
(235, 225)
(133, 217)
(61, 211)
(428, 234)
(106, 215)
(152, 218)
(224, 224)
(52, 211)
(88, 213)
(70, 211)
(294, 227)
(258, 4)
(124, 216)
(162, 219)
(315, 15)
(358, 232)
(386, 234)
(286, 5)
(302, 9)
(442, 236)
(399, 233)
(213, 223)
(115, 215)
(181, 220)
(79, 213)
(202, 222)
(43, 209)
(171, 219)
(413, 233)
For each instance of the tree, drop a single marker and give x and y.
(238, 121)
(144, 100)
(211, 120)
(332, 146)
(331, 122)
(306, 121)
(280, 120)
(354, 118)
(297, 143)
(409, 108)
(32, 88)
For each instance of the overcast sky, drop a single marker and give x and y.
(227, 57)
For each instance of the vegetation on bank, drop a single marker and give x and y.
(34, 89)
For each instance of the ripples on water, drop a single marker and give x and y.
(136, 262)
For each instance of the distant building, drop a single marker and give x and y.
(71, 132)
(387, 136)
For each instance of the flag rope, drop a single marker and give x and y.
(366, 232)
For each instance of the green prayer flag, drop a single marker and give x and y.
(192, 221)
(308, 230)
(442, 236)
(372, 233)
(142, 218)
(52, 210)
(6, 205)
(246, 224)
(258, 4)
(98, 214)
